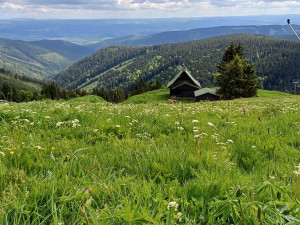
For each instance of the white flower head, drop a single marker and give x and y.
(195, 121)
(59, 124)
(210, 124)
(173, 205)
(180, 128)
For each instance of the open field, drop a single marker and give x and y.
(86, 161)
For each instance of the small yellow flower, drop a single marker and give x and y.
(11, 152)
(52, 148)
(67, 156)
(12, 121)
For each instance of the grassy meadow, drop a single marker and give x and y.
(86, 161)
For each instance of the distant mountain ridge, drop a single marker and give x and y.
(276, 62)
(276, 31)
(42, 59)
(39, 59)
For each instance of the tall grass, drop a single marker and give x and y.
(89, 162)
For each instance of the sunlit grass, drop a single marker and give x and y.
(88, 161)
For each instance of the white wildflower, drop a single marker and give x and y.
(220, 143)
(180, 128)
(297, 172)
(59, 124)
(173, 205)
(195, 121)
(230, 141)
(118, 126)
(128, 117)
(38, 147)
(177, 123)
(253, 146)
(210, 124)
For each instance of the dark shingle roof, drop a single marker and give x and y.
(178, 75)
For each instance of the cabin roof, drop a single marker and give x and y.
(205, 91)
(179, 74)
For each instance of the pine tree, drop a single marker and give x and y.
(236, 77)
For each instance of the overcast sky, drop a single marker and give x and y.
(93, 9)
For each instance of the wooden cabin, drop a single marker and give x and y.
(183, 85)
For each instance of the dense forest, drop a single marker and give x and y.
(275, 61)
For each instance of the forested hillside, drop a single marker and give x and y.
(19, 82)
(39, 59)
(276, 62)
(277, 31)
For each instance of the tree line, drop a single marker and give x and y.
(53, 91)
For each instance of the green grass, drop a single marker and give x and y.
(162, 95)
(86, 161)
(87, 98)
(272, 94)
(156, 96)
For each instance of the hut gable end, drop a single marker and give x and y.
(183, 85)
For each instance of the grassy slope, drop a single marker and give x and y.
(136, 158)
(162, 96)
(87, 98)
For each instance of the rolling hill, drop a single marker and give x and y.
(39, 59)
(276, 62)
(19, 83)
(277, 31)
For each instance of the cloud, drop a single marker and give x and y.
(144, 8)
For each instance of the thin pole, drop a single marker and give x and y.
(295, 31)
(289, 23)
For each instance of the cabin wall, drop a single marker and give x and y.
(207, 97)
(182, 93)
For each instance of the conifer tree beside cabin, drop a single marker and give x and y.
(183, 85)
(236, 78)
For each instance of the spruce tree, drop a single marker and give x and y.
(236, 77)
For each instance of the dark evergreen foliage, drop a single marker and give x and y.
(236, 77)
(118, 95)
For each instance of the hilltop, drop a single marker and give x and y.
(39, 59)
(276, 62)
